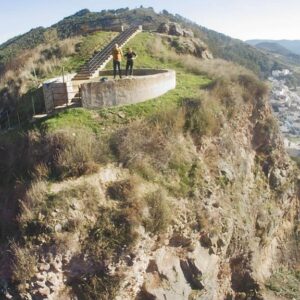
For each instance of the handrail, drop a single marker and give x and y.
(96, 61)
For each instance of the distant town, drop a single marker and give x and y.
(286, 106)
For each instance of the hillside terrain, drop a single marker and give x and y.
(291, 45)
(28, 59)
(275, 48)
(85, 22)
(187, 196)
(42, 53)
(283, 56)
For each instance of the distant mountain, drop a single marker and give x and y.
(280, 53)
(274, 47)
(292, 45)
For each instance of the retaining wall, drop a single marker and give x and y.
(146, 84)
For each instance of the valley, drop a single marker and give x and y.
(286, 107)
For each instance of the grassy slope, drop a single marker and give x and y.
(188, 86)
(88, 45)
(164, 161)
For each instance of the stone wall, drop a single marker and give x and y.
(147, 84)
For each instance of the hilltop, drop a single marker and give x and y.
(42, 53)
(84, 22)
(187, 196)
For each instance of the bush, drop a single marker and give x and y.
(112, 234)
(253, 88)
(140, 145)
(74, 153)
(121, 190)
(96, 286)
(201, 118)
(38, 210)
(57, 154)
(159, 212)
(24, 266)
(285, 283)
(170, 121)
(131, 202)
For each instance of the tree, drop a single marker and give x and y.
(50, 36)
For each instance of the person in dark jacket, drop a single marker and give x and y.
(130, 56)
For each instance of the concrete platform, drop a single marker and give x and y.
(144, 85)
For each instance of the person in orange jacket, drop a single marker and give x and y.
(117, 57)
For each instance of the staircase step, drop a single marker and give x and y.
(102, 57)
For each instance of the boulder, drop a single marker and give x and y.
(175, 29)
(207, 55)
(43, 293)
(188, 33)
(163, 28)
(193, 46)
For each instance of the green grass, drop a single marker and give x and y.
(76, 118)
(285, 283)
(88, 45)
(152, 52)
(148, 56)
(188, 86)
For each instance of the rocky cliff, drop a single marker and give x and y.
(196, 199)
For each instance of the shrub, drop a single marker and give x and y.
(285, 283)
(96, 286)
(111, 234)
(170, 121)
(38, 213)
(41, 171)
(253, 88)
(201, 118)
(74, 154)
(24, 266)
(139, 145)
(131, 202)
(121, 190)
(17, 156)
(265, 134)
(159, 212)
(34, 198)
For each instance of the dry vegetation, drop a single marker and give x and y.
(171, 153)
(32, 66)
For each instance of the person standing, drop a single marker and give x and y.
(130, 56)
(117, 57)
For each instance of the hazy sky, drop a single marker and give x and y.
(243, 19)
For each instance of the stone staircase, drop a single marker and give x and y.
(96, 63)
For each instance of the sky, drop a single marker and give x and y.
(242, 19)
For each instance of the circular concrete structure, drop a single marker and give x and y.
(146, 84)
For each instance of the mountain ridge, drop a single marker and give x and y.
(292, 45)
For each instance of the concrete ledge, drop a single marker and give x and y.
(146, 84)
(58, 91)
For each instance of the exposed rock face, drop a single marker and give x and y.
(183, 40)
(188, 33)
(226, 236)
(174, 29)
(163, 28)
(225, 252)
(193, 46)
